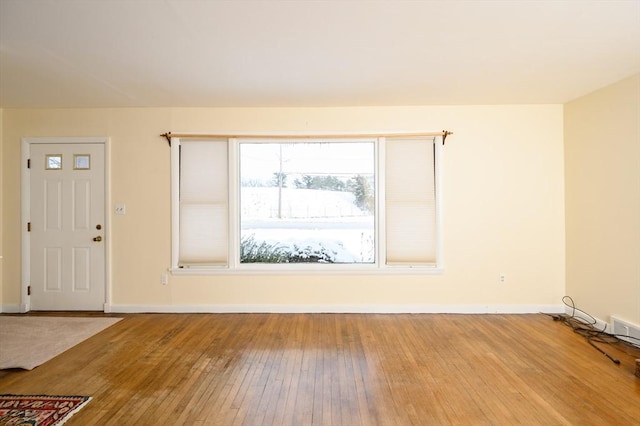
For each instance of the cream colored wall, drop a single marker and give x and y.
(503, 206)
(602, 163)
(1, 215)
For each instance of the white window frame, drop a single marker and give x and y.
(234, 267)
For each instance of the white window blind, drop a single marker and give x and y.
(204, 200)
(410, 205)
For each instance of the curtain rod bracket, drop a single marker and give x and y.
(168, 136)
(445, 133)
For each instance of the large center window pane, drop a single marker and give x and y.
(307, 202)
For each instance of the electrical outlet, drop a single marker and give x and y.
(502, 279)
(121, 209)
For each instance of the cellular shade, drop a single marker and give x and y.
(410, 206)
(204, 202)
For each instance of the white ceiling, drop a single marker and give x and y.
(98, 53)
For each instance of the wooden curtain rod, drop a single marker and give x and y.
(170, 135)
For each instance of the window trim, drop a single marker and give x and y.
(234, 267)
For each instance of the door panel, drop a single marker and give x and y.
(53, 205)
(67, 214)
(81, 269)
(81, 204)
(53, 269)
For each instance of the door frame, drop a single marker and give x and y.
(25, 201)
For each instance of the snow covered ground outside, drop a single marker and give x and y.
(310, 218)
(262, 203)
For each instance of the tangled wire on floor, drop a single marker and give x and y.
(585, 325)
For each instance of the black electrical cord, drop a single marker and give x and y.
(585, 325)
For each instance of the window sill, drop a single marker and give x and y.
(307, 270)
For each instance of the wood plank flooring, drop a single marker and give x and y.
(340, 369)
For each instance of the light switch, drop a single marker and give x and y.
(121, 209)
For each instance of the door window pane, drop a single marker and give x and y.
(53, 162)
(81, 161)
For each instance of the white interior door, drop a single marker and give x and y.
(67, 196)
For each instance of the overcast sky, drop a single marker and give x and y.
(262, 160)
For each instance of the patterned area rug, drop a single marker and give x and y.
(38, 410)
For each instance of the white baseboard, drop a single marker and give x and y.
(366, 309)
(10, 309)
(600, 324)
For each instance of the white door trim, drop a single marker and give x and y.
(25, 300)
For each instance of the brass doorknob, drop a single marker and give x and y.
(98, 238)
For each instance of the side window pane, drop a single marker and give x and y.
(307, 202)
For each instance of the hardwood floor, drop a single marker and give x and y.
(340, 369)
